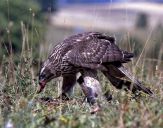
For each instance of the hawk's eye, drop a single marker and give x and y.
(42, 76)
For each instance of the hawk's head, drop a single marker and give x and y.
(45, 75)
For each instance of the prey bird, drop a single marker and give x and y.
(88, 53)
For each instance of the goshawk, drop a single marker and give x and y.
(86, 53)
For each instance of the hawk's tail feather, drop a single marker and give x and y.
(136, 83)
(127, 56)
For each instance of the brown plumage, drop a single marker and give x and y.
(86, 53)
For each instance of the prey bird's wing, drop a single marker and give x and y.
(117, 75)
(136, 83)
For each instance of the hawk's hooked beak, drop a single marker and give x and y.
(44, 76)
(41, 86)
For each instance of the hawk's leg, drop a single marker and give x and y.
(67, 87)
(91, 87)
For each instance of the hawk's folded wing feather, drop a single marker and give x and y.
(92, 52)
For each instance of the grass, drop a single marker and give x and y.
(21, 108)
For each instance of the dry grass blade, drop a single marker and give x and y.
(148, 38)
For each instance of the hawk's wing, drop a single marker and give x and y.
(95, 49)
